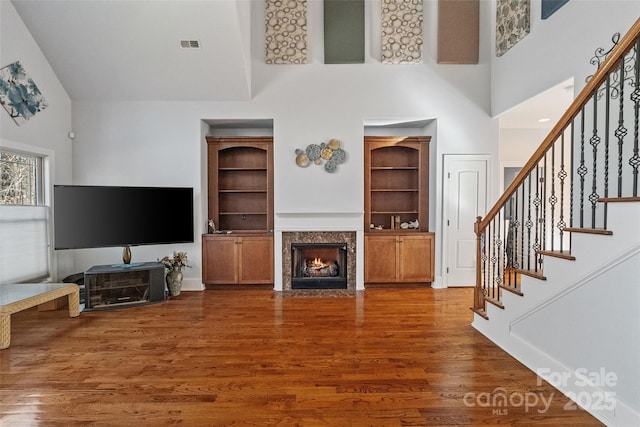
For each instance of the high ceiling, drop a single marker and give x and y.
(131, 50)
(532, 113)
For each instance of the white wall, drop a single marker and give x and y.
(46, 132)
(557, 48)
(160, 143)
(579, 326)
(517, 145)
(140, 143)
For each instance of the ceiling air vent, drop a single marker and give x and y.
(190, 44)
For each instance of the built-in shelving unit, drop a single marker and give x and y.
(241, 183)
(396, 181)
(396, 195)
(240, 201)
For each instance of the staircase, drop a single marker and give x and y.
(558, 256)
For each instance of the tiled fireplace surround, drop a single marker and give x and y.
(319, 228)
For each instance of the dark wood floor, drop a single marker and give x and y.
(388, 357)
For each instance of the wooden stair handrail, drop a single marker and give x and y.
(579, 102)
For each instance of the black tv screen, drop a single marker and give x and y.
(101, 216)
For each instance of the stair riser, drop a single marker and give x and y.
(623, 222)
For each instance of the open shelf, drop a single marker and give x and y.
(240, 182)
(396, 181)
(242, 157)
(231, 170)
(240, 200)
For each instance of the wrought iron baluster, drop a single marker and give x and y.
(529, 224)
(492, 257)
(594, 141)
(522, 251)
(621, 131)
(571, 179)
(499, 254)
(515, 227)
(582, 169)
(543, 205)
(562, 174)
(553, 199)
(483, 259)
(506, 223)
(498, 274)
(536, 203)
(634, 161)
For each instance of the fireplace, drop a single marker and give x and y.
(338, 246)
(318, 266)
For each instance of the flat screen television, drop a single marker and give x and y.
(102, 216)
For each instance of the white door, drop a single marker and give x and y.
(465, 198)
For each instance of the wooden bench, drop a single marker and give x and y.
(21, 296)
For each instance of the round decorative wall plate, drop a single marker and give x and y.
(313, 151)
(302, 160)
(330, 152)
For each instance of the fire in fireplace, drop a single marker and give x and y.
(318, 266)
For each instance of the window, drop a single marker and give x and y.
(20, 179)
(24, 242)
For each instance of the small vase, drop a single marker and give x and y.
(174, 282)
(126, 255)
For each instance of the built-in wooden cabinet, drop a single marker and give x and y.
(398, 245)
(237, 259)
(240, 201)
(396, 181)
(393, 258)
(240, 183)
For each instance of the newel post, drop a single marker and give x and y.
(478, 298)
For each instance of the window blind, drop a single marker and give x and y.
(24, 243)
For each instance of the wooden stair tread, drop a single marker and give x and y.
(618, 199)
(600, 231)
(480, 312)
(532, 273)
(495, 302)
(511, 289)
(558, 254)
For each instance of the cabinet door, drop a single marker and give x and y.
(256, 260)
(380, 259)
(416, 258)
(220, 260)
